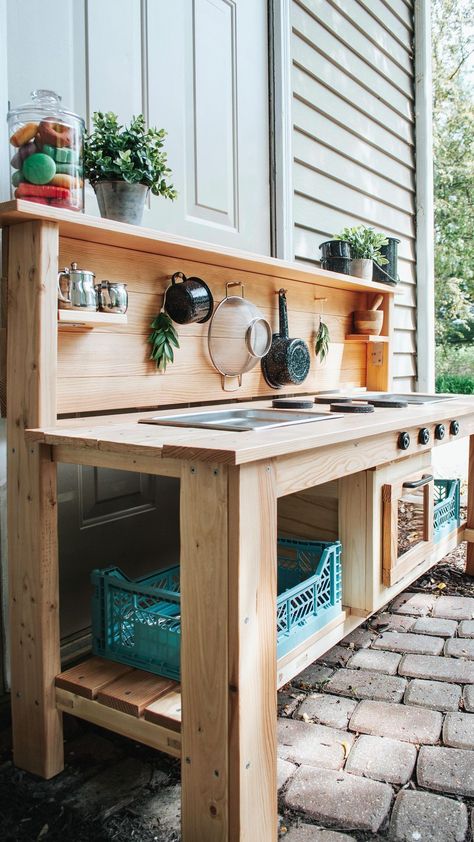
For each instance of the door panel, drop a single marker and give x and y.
(108, 518)
(214, 105)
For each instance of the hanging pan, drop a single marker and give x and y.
(238, 338)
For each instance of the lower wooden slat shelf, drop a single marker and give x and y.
(133, 703)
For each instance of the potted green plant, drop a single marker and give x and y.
(123, 163)
(365, 245)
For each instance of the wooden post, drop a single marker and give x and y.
(228, 653)
(252, 653)
(204, 653)
(32, 504)
(470, 508)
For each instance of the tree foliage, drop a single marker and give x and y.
(453, 128)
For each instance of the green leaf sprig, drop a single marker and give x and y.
(162, 339)
(322, 341)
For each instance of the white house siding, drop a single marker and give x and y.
(353, 137)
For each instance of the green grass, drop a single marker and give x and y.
(455, 369)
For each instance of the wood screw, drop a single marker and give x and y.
(216, 472)
(247, 765)
(193, 470)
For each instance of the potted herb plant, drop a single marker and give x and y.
(123, 163)
(365, 245)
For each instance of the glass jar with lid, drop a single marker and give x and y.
(46, 144)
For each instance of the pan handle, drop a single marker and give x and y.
(234, 284)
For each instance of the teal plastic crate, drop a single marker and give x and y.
(139, 622)
(447, 507)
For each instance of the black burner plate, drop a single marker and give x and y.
(286, 403)
(331, 398)
(352, 407)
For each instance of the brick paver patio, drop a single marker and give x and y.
(376, 742)
(397, 696)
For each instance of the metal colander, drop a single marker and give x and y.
(239, 336)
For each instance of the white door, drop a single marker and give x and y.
(199, 69)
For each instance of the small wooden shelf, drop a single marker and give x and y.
(89, 319)
(360, 337)
(137, 704)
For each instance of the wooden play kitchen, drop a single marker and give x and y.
(251, 489)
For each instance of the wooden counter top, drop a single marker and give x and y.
(122, 433)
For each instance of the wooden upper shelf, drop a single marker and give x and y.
(96, 230)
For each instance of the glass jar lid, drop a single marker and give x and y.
(44, 101)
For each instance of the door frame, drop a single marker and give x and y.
(281, 128)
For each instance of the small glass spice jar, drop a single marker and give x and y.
(46, 145)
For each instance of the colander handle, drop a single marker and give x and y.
(234, 284)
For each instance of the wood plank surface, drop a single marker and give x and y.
(252, 653)
(87, 678)
(94, 229)
(204, 654)
(134, 691)
(135, 728)
(32, 500)
(166, 711)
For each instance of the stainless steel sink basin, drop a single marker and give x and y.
(240, 420)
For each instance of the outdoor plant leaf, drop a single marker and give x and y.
(365, 243)
(322, 341)
(162, 338)
(132, 153)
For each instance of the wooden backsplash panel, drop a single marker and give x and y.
(108, 368)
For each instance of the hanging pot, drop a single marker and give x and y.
(188, 301)
(239, 337)
(288, 360)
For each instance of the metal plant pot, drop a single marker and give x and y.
(362, 268)
(121, 201)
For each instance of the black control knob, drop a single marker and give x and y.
(424, 436)
(404, 441)
(440, 432)
(454, 428)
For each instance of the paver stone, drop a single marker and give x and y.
(468, 698)
(310, 833)
(459, 648)
(466, 628)
(334, 711)
(382, 759)
(446, 770)
(364, 684)
(454, 607)
(313, 745)
(435, 626)
(336, 798)
(417, 604)
(315, 676)
(454, 670)
(426, 817)
(284, 771)
(375, 660)
(458, 730)
(436, 695)
(399, 722)
(408, 643)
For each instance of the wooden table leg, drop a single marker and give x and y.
(204, 653)
(228, 653)
(470, 508)
(252, 653)
(32, 503)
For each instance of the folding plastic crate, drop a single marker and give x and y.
(139, 622)
(447, 507)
